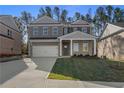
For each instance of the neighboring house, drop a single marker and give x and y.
(10, 37)
(111, 43)
(50, 38)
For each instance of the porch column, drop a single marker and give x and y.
(60, 47)
(29, 49)
(71, 47)
(94, 46)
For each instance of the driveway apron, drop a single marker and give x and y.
(33, 76)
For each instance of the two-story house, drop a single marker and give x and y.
(50, 38)
(10, 37)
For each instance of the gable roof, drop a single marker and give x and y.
(80, 22)
(77, 35)
(9, 21)
(121, 24)
(110, 30)
(45, 20)
(48, 20)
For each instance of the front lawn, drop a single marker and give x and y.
(87, 69)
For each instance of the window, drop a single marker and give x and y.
(76, 47)
(84, 29)
(35, 31)
(65, 31)
(75, 29)
(45, 30)
(9, 33)
(79, 28)
(65, 46)
(85, 46)
(55, 31)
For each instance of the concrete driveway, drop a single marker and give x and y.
(32, 73)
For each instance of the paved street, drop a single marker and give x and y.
(32, 73)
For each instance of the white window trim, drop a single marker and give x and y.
(75, 28)
(43, 30)
(35, 32)
(65, 31)
(54, 30)
(76, 47)
(85, 44)
(10, 33)
(84, 29)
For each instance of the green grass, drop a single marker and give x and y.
(86, 68)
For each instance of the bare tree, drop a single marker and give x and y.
(57, 13)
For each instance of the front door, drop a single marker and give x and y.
(66, 48)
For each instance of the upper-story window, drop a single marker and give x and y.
(55, 30)
(35, 31)
(79, 28)
(45, 30)
(9, 33)
(65, 31)
(84, 29)
(75, 28)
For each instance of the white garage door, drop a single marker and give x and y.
(45, 51)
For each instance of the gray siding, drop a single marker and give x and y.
(88, 29)
(90, 47)
(80, 42)
(9, 44)
(112, 47)
(40, 31)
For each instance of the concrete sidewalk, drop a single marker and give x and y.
(81, 84)
(35, 76)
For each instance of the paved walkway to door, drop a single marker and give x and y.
(32, 73)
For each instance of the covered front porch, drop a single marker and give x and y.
(77, 43)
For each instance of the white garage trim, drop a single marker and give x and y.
(51, 40)
(45, 51)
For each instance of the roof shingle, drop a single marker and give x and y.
(77, 35)
(121, 24)
(9, 21)
(80, 22)
(45, 19)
